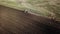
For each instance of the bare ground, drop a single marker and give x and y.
(14, 21)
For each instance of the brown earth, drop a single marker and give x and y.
(14, 21)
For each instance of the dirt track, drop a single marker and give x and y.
(17, 22)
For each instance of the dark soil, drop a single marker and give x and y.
(14, 21)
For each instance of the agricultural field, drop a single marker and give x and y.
(48, 8)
